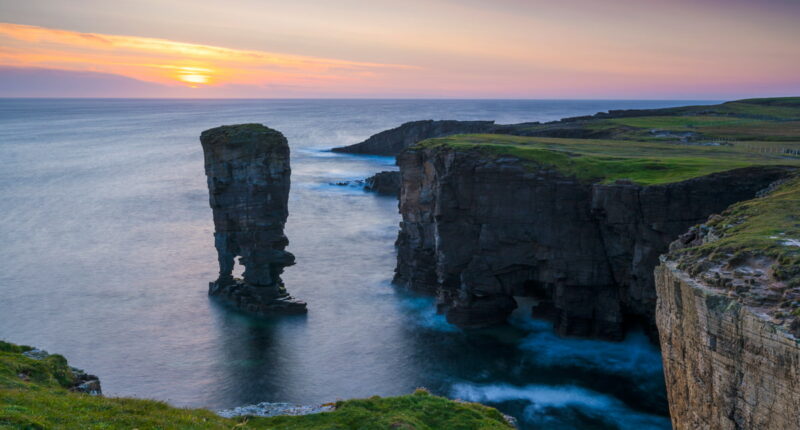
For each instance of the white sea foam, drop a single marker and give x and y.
(635, 357)
(423, 312)
(557, 404)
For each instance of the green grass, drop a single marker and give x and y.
(762, 227)
(775, 119)
(34, 395)
(606, 160)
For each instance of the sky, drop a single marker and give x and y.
(571, 49)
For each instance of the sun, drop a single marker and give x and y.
(194, 76)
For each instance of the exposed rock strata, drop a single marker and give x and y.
(386, 183)
(478, 230)
(248, 173)
(726, 365)
(392, 142)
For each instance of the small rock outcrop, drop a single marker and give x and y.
(478, 230)
(82, 382)
(386, 183)
(248, 173)
(392, 142)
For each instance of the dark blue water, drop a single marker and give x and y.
(106, 251)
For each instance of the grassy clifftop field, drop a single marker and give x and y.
(652, 146)
(34, 395)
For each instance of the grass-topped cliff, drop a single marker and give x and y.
(34, 394)
(651, 146)
(752, 250)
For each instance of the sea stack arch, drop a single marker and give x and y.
(248, 172)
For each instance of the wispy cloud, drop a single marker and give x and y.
(175, 63)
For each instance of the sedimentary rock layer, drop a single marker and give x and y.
(726, 365)
(248, 173)
(478, 230)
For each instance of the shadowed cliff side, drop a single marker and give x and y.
(478, 230)
(248, 173)
(728, 316)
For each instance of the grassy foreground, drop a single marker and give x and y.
(34, 395)
(650, 147)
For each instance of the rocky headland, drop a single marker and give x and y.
(391, 142)
(729, 317)
(577, 223)
(248, 172)
(478, 230)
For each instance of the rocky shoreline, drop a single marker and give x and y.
(267, 409)
(82, 382)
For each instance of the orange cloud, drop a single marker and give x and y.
(172, 63)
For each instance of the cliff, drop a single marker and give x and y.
(39, 394)
(728, 316)
(248, 172)
(487, 218)
(392, 142)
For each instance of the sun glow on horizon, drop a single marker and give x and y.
(194, 76)
(165, 62)
(682, 49)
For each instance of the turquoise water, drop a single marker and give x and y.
(107, 251)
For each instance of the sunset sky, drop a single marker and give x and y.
(620, 49)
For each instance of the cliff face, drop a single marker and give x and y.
(248, 173)
(726, 366)
(728, 316)
(392, 142)
(478, 230)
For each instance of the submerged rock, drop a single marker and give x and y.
(248, 173)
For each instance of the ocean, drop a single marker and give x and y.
(107, 250)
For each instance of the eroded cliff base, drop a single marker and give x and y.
(258, 300)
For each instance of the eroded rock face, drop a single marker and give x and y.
(248, 173)
(478, 230)
(726, 366)
(386, 183)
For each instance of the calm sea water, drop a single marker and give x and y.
(106, 251)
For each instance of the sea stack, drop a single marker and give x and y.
(248, 171)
